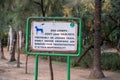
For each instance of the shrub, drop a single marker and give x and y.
(86, 61)
(110, 61)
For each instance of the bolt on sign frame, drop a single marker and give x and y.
(53, 36)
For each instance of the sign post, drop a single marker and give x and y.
(53, 36)
(36, 67)
(68, 67)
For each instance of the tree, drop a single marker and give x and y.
(109, 22)
(1, 49)
(2, 24)
(16, 17)
(97, 72)
(44, 7)
(12, 39)
(19, 45)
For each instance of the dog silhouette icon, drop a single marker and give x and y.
(38, 30)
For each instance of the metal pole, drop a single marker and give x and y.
(68, 67)
(36, 69)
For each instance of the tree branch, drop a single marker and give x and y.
(79, 59)
(111, 17)
(38, 3)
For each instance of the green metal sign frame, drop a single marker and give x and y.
(37, 54)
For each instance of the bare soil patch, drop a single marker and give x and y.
(9, 71)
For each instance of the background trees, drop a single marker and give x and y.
(15, 13)
(2, 27)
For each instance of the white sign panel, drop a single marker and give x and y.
(54, 36)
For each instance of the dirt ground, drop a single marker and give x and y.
(9, 71)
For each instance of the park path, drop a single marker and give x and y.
(8, 71)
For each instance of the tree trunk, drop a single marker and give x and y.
(97, 71)
(26, 67)
(8, 43)
(18, 51)
(12, 51)
(51, 69)
(42, 8)
(1, 50)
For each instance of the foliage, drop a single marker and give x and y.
(61, 59)
(57, 58)
(114, 11)
(110, 61)
(115, 36)
(54, 11)
(2, 16)
(110, 19)
(86, 62)
(4, 42)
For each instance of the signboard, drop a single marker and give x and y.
(55, 36)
